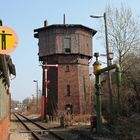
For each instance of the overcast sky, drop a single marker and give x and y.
(26, 15)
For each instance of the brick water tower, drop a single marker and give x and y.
(69, 46)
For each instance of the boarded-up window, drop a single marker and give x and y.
(67, 45)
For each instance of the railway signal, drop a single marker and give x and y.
(45, 92)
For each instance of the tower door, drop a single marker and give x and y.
(69, 108)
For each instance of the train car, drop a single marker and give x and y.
(6, 69)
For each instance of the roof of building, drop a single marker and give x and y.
(65, 26)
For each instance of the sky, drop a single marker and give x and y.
(26, 15)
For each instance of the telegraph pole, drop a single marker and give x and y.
(108, 64)
(36, 81)
(109, 72)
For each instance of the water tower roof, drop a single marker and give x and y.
(93, 32)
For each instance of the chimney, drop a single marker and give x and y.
(0, 22)
(46, 23)
(64, 19)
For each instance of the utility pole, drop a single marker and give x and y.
(36, 81)
(108, 64)
(0, 22)
(108, 73)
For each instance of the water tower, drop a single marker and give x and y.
(69, 46)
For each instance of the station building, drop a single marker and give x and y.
(6, 69)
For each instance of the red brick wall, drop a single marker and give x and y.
(64, 78)
(84, 88)
(78, 78)
(4, 123)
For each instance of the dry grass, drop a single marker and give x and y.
(81, 119)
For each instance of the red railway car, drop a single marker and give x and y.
(6, 69)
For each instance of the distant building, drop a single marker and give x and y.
(69, 46)
(21, 106)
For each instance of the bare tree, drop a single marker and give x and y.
(123, 32)
(14, 103)
(132, 81)
(124, 40)
(26, 101)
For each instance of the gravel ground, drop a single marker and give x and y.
(19, 136)
(17, 131)
(125, 129)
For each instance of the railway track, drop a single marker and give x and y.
(40, 133)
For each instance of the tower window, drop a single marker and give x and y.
(67, 45)
(67, 68)
(68, 89)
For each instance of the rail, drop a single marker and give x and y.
(38, 125)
